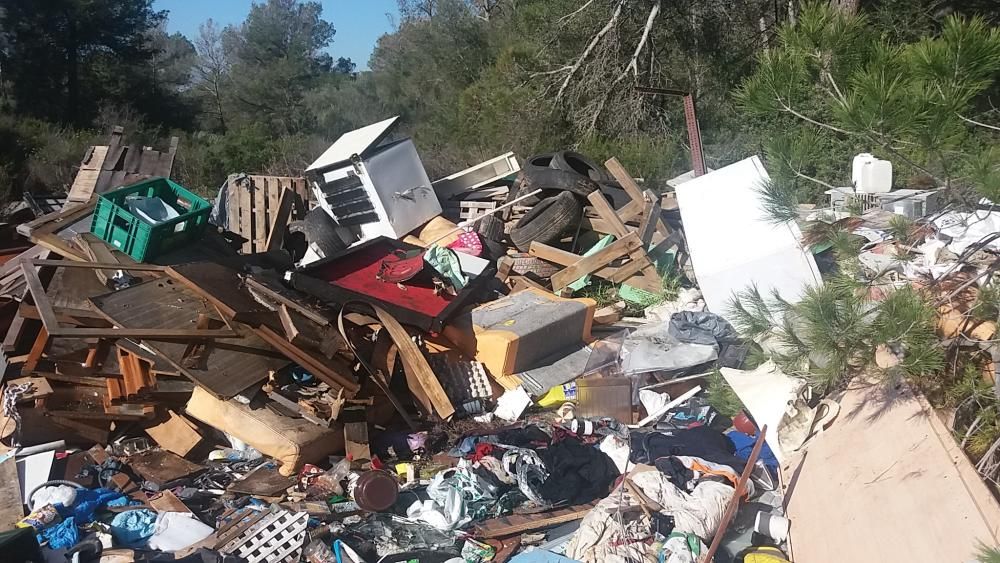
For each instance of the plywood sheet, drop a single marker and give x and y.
(162, 467)
(887, 483)
(11, 505)
(231, 365)
(734, 244)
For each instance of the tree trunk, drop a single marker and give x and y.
(764, 41)
(848, 7)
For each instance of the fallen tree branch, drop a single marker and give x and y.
(974, 122)
(634, 63)
(590, 47)
(568, 17)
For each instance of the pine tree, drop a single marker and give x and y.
(836, 81)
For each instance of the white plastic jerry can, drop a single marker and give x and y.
(870, 174)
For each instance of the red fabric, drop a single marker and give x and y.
(483, 449)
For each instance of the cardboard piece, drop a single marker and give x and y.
(177, 434)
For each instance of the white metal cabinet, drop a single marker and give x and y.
(372, 187)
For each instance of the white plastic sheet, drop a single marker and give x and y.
(966, 229)
(734, 244)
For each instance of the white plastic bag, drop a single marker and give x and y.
(177, 530)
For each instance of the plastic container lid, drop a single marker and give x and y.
(376, 491)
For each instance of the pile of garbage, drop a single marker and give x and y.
(511, 363)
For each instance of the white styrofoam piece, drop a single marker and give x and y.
(734, 244)
(354, 142)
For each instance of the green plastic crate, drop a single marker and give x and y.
(115, 224)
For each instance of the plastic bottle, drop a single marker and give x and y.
(318, 552)
(328, 484)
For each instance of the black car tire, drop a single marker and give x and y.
(547, 220)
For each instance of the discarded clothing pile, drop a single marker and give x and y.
(501, 471)
(615, 531)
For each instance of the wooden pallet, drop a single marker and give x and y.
(459, 211)
(254, 202)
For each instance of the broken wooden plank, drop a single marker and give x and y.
(277, 296)
(42, 342)
(276, 232)
(86, 178)
(418, 371)
(246, 219)
(605, 212)
(590, 264)
(625, 180)
(520, 523)
(162, 467)
(259, 214)
(47, 224)
(738, 494)
(167, 501)
(101, 252)
(99, 265)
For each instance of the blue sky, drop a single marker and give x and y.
(359, 23)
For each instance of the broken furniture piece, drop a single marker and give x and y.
(524, 331)
(353, 275)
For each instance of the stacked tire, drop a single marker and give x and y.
(565, 179)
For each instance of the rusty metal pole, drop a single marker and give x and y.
(691, 117)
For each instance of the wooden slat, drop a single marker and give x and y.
(519, 523)
(734, 503)
(284, 300)
(260, 187)
(624, 179)
(650, 217)
(277, 187)
(57, 220)
(86, 179)
(590, 264)
(246, 218)
(52, 242)
(42, 342)
(605, 212)
(233, 205)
